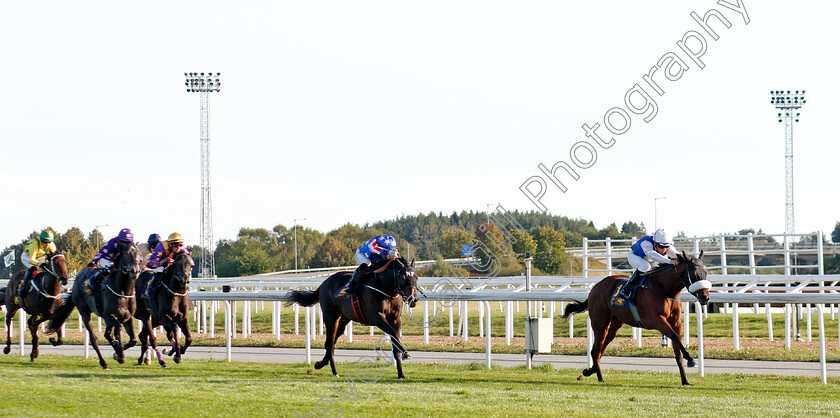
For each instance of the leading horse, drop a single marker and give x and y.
(115, 303)
(378, 301)
(40, 302)
(169, 307)
(657, 303)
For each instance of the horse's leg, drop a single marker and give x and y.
(10, 313)
(342, 323)
(667, 330)
(128, 325)
(144, 343)
(33, 323)
(93, 342)
(184, 324)
(169, 325)
(113, 326)
(330, 323)
(600, 322)
(378, 320)
(395, 342)
(615, 324)
(149, 326)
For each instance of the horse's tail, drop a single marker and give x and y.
(60, 315)
(575, 307)
(305, 297)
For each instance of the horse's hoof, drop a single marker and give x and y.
(587, 372)
(54, 342)
(319, 365)
(177, 359)
(402, 376)
(105, 367)
(163, 365)
(6, 350)
(406, 356)
(689, 363)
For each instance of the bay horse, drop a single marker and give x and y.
(377, 301)
(657, 303)
(116, 301)
(169, 307)
(40, 302)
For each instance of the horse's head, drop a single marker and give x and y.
(127, 261)
(58, 266)
(694, 277)
(406, 281)
(178, 273)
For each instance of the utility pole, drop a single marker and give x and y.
(788, 104)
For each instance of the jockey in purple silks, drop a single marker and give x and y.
(104, 259)
(380, 247)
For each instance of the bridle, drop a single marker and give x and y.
(407, 295)
(185, 280)
(695, 285)
(126, 270)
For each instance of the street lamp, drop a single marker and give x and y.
(296, 257)
(97, 237)
(655, 224)
(488, 212)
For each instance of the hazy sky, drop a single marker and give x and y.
(362, 111)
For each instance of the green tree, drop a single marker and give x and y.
(77, 249)
(333, 253)
(551, 250)
(632, 229)
(450, 241)
(835, 235)
(524, 242)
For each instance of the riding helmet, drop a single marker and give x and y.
(175, 237)
(126, 235)
(662, 238)
(153, 241)
(47, 236)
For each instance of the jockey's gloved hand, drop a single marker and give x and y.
(91, 266)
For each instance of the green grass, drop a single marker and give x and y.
(73, 386)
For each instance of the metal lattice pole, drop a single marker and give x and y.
(788, 103)
(204, 85)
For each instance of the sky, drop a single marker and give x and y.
(357, 112)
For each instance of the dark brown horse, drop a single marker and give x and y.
(657, 303)
(115, 304)
(169, 307)
(40, 302)
(378, 302)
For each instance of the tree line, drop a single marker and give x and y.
(432, 236)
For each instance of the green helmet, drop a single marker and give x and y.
(47, 236)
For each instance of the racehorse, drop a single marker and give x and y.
(40, 302)
(376, 302)
(169, 307)
(657, 303)
(116, 301)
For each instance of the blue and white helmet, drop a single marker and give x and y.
(386, 241)
(662, 238)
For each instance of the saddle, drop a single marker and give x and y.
(93, 286)
(618, 300)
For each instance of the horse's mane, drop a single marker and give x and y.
(689, 257)
(377, 265)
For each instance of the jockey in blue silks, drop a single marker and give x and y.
(380, 247)
(656, 248)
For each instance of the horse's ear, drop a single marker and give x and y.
(701, 255)
(412, 263)
(684, 257)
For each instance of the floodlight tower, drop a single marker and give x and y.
(788, 103)
(204, 84)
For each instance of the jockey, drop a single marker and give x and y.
(35, 252)
(147, 248)
(161, 257)
(380, 247)
(658, 248)
(104, 259)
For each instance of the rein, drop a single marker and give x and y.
(107, 286)
(46, 295)
(182, 294)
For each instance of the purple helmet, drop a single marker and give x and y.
(126, 235)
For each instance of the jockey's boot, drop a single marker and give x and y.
(23, 286)
(150, 287)
(626, 291)
(351, 285)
